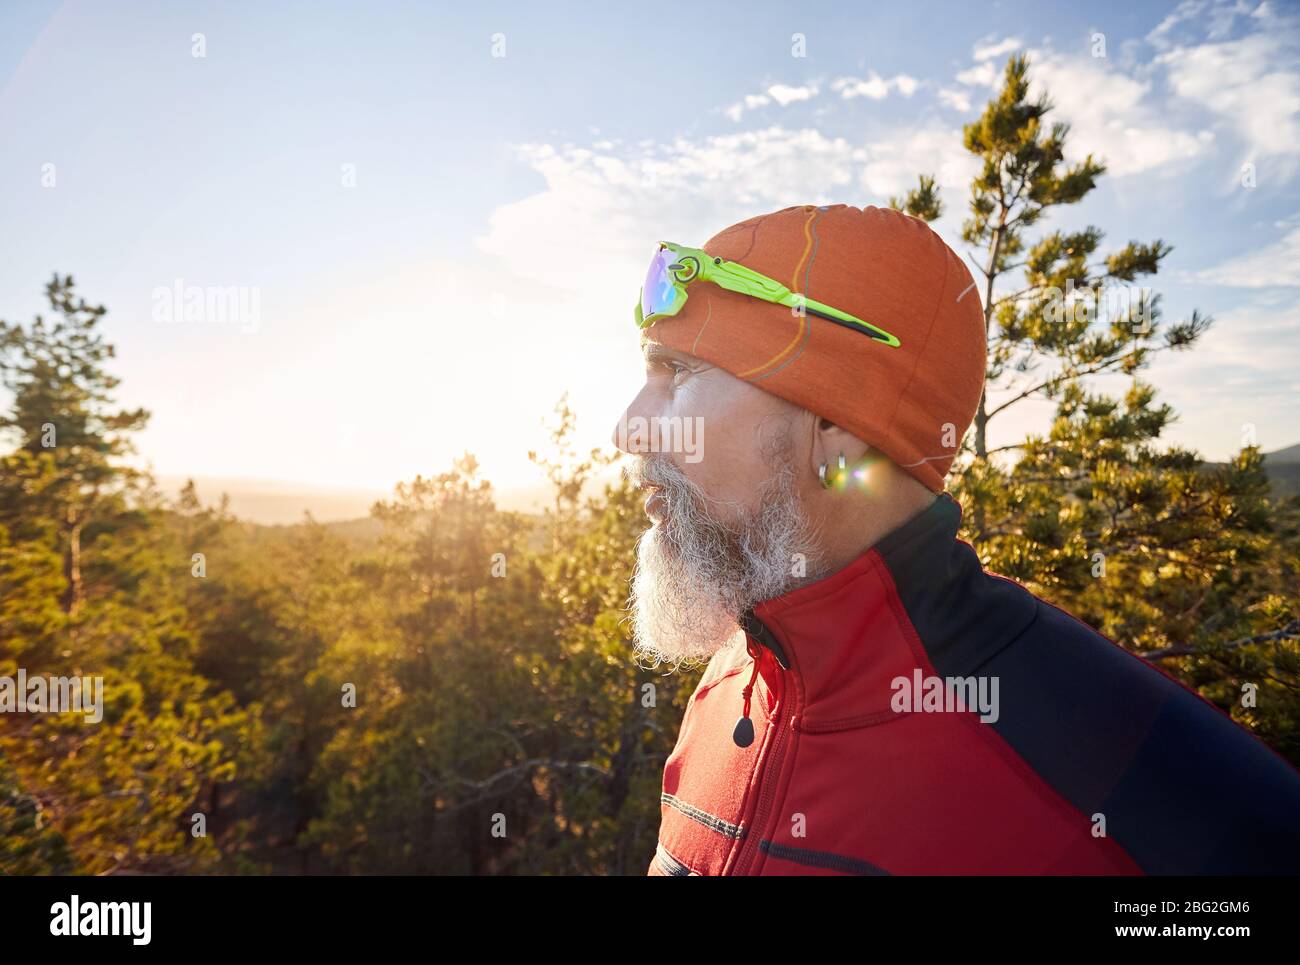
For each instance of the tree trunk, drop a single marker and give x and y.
(72, 596)
(981, 455)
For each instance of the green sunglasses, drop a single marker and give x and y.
(673, 267)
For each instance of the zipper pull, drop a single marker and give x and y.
(743, 735)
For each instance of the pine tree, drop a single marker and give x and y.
(1177, 560)
(68, 434)
(92, 584)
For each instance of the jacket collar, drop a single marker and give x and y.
(842, 639)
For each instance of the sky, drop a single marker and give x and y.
(437, 216)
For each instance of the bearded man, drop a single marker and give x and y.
(875, 702)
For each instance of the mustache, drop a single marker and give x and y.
(653, 471)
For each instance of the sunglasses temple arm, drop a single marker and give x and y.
(835, 315)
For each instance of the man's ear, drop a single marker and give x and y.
(832, 440)
(829, 440)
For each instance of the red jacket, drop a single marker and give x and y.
(1081, 758)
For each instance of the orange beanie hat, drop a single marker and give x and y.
(912, 402)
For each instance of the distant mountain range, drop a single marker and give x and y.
(1283, 468)
(275, 503)
(279, 503)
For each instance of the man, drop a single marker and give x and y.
(875, 702)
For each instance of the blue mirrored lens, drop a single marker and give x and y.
(658, 293)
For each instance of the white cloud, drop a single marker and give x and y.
(954, 98)
(783, 94)
(893, 163)
(1238, 94)
(875, 87)
(1111, 114)
(1241, 373)
(989, 51)
(1214, 19)
(984, 75)
(1250, 85)
(1275, 264)
(750, 102)
(611, 206)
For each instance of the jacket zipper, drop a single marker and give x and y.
(756, 630)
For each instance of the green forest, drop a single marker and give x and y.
(451, 690)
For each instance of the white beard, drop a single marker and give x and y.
(695, 574)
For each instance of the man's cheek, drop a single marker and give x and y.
(679, 433)
(687, 433)
(705, 415)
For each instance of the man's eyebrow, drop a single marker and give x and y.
(656, 354)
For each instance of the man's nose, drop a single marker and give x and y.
(625, 437)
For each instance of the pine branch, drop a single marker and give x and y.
(1289, 632)
(1063, 377)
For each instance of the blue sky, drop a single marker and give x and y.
(415, 307)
